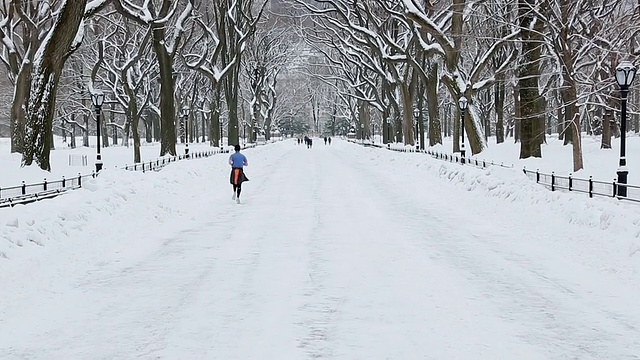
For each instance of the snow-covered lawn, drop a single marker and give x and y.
(339, 252)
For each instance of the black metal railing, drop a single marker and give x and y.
(159, 163)
(28, 193)
(436, 154)
(588, 186)
(551, 181)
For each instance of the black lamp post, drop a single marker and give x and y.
(416, 114)
(625, 73)
(97, 98)
(184, 132)
(462, 102)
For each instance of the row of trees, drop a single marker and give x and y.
(152, 58)
(535, 63)
(524, 65)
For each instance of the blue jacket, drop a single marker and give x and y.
(237, 160)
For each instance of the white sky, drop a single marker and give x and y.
(336, 252)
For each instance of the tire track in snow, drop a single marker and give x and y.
(560, 320)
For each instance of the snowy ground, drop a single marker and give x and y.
(556, 157)
(338, 252)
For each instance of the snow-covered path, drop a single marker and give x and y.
(333, 257)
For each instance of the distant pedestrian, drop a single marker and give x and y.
(329, 140)
(325, 140)
(309, 143)
(237, 161)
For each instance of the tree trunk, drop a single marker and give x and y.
(435, 128)
(214, 120)
(21, 93)
(607, 120)
(167, 106)
(54, 51)
(73, 130)
(499, 106)
(456, 120)
(517, 115)
(231, 94)
(104, 133)
(529, 73)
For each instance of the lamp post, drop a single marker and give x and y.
(462, 102)
(97, 97)
(416, 113)
(625, 73)
(184, 132)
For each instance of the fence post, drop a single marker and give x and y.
(44, 185)
(537, 176)
(615, 188)
(24, 188)
(590, 186)
(79, 180)
(570, 181)
(553, 179)
(63, 182)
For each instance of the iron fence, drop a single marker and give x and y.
(437, 155)
(159, 163)
(551, 181)
(588, 186)
(28, 193)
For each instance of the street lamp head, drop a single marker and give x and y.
(462, 102)
(185, 111)
(625, 73)
(97, 97)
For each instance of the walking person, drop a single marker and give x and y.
(237, 161)
(329, 140)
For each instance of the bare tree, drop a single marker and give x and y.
(165, 47)
(61, 40)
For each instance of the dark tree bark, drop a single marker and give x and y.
(529, 74)
(54, 52)
(499, 106)
(435, 128)
(517, 116)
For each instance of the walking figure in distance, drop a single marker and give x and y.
(329, 140)
(325, 140)
(237, 161)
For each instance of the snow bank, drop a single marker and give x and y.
(510, 197)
